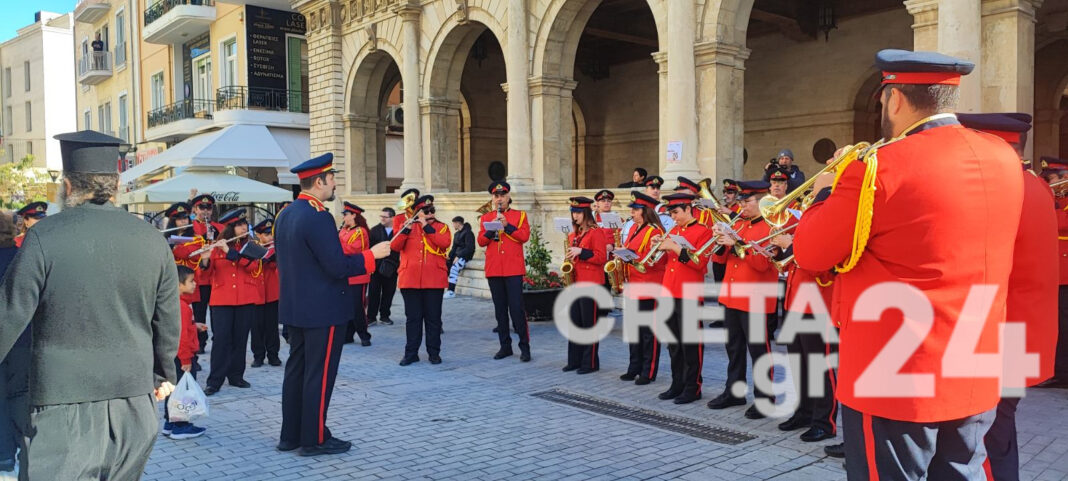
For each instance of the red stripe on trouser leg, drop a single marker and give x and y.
(869, 447)
(986, 470)
(593, 349)
(652, 364)
(700, 365)
(322, 393)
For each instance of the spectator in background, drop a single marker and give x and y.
(383, 283)
(785, 162)
(14, 369)
(97, 44)
(463, 249)
(637, 179)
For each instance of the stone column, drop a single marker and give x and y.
(1046, 135)
(925, 28)
(552, 128)
(362, 154)
(661, 72)
(1008, 56)
(326, 85)
(682, 89)
(441, 119)
(721, 93)
(960, 35)
(520, 172)
(414, 167)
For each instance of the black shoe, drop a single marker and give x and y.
(1053, 383)
(331, 446)
(257, 363)
(524, 356)
(496, 330)
(365, 342)
(408, 360)
(669, 394)
(816, 434)
(586, 370)
(274, 361)
(686, 398)
(725, 400)
(835, 450)
(241, 384)
(642, 380)
(371, 322)
(210, 390)
(286, 446)
(503, 353)
(628, 377)
(435, 359)
(387, 321)
(795, 422)
(754, 413)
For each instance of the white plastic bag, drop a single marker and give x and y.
(188, 401)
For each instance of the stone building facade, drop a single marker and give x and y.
(567, 95)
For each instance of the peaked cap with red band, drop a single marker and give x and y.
(34, 209)
(639, 200)
(313, 167)
(233, 216)
(779, 174)
(687, 184)
(920, 68)
(422, 203)
(203, 199)
(653, 181)
(500, 187)
(355, 209)
(749, 188)
(177, 209)
(579, 203)
(679, 199)
(1004, 125)
(604, 194)
(730, 185)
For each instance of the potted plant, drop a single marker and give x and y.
(540, 285)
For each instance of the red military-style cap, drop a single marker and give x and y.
(752, 187)
(579, 203)
(730, 185)
(639, 200)
(920, 68)
(779, 174)
(604, 194)
(687, 184)
(422, 203)
(679, 199)
(355, 209)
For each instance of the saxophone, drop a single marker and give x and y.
(614, 268)
(567, 267)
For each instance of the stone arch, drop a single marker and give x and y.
(867, 115)
(725, 21)
(373, 76)
(1051, 110)
(578, 160)
(451, 39)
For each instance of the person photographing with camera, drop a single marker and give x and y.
(785, 162)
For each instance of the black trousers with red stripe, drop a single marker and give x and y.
(645, 354)
(687, 360)
(821, 406)
(583, 356)
(507, 294)
(358, 323)
(905, 451)
(314, 354)
(737, 324)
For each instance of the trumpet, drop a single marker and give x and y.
(650, 259)
(775, 210)
(1059, 187)
(212, 245)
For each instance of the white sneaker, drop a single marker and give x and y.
(449, 295)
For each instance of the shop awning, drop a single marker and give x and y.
(226, 188)
(239, 145)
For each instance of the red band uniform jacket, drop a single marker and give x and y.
(355, 241)
(589, 265)
(753, 269)
(270, 276)
(679, 272)
(504, 250)
(641, 241)
(1033, 290)
(940, 242)
(423, 250)
(1062, 237)
(182, 257)
(235, 280)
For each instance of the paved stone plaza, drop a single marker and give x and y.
(475, 418)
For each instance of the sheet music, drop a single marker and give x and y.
(492, 225)
(562, 224)
(681, 241)
(626, 255)
(611, 220)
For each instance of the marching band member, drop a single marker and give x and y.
(587, 253)
(423, 243)
(265, 342)
(731, 205)
(652, 189)
(178, 216)
(234, 296)
(402, 214)
(203, 209)
(31, 213)
(1032, 288)
(1056, 170)
(355, 238)
(864, 224)
(683, 267)
(703, 215)
(505, 267)
(644, 354)
(754, 267)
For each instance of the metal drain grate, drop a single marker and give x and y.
(655, 419)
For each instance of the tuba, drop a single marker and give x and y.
(485, 208)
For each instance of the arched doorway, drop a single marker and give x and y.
(1051, 100)
(597, 54)
(375, 126)
(465, 109)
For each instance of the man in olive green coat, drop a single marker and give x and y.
(98, 288)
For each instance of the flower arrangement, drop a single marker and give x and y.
(538, 259)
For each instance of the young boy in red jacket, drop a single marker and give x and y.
(188, 344)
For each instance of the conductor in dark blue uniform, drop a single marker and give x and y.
(315, 303)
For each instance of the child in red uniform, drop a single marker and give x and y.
(187, 352)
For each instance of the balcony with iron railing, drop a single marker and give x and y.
(265, 106)
(94, 67)
(174, 21)
(89, 11)
(180, 119)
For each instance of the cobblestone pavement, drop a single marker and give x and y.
(475, 418)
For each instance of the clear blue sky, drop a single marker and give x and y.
(19, 13)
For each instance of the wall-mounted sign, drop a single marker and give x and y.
(266, 31)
